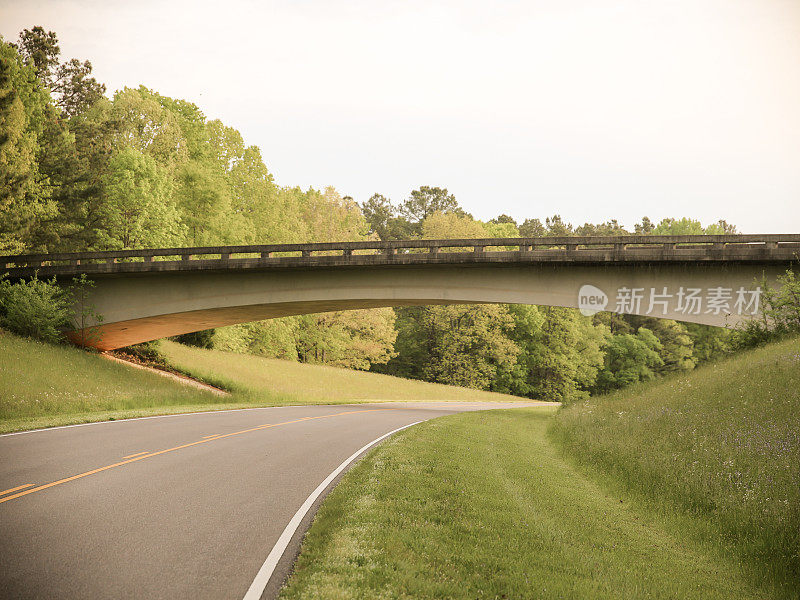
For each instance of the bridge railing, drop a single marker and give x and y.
(618, 245)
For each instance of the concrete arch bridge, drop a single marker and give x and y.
(149, 294)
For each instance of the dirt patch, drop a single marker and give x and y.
(164, 372)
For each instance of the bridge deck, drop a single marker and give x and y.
(766, 249)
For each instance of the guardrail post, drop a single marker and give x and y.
(224, 255)
(433, 250)
(390, 251)
(478, 249)
(771, 245)
(669, 247)
(266, 255)
(148, 259)
(347, 252)
(186, 256)
(571, 247)
(619, 247)
(305, 253)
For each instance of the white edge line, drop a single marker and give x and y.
(268, 568)
(227, 410)
(125, 420)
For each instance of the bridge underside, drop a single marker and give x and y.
(143, 307)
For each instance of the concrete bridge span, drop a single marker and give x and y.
(149, 294)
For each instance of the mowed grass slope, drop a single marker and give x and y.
(43, 385)
(483, 505)
(721, 443)
(291, 382)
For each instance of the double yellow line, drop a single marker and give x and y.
(143, 455)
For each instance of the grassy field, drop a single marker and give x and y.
(42, 385)
(291, 382)
(721, 443)
(688, 487)
(483, 505)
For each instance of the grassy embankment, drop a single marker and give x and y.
(42, 385)
(686, 488)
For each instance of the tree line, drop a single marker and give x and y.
(84, 171)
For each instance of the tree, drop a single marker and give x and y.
(501, 230)
(74, 88)
(645, 227)
(504, 218)
(708, 342)
(354, 339)
(439, 225)
(426, 200)
(139, 212)
(532, 228)
(556, 227)
(684, 226)
(611, 227)
(560, 354)
(677, 348)
(24, 197)
(40, 49)
(71, 82)
(629, 359)
(462, 345)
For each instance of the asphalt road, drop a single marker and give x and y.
(184, 506)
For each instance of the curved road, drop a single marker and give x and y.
(182, 506)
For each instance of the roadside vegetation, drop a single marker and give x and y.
(483, 505)
(687, 487)
(721, 444)
(303, 383)
(44, 385)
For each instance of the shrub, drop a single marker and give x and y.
(36, 308)
(780, 313)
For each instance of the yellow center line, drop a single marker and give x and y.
(210, 436)
(152, 454)
(132, 455)
(19, 487)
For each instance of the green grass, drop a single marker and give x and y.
(483, 505)
(721, 444)
(42, 385)
(291, 382)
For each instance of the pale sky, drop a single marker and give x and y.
(591, 109)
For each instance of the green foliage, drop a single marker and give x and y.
(36, 309)
(561, 352)
(86, 319)
(484, 505)
(687, 226)
(147, 352)
(630, 359)
(139, 212)
(198, 339)
(427, 200)
(721, 444)
(460, 345)
(24, 197)
(780, 308)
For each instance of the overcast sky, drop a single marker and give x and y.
(591, 109)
